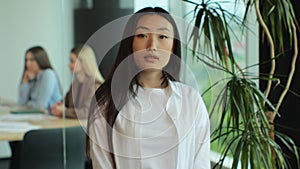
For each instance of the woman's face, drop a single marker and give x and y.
(31, 64)
(72, 61)
(153, 42)
(74, 64)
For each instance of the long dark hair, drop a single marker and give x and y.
(114, 102)
(40, 56)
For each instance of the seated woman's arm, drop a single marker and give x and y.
(85, 97)
(46, 87)
(24, 93)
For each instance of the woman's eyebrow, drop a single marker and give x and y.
(164, 29)
(159, 29)
(142, 27)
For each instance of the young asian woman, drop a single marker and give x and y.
(143, 116)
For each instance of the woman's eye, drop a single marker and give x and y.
(163, 37)
(30, 59)
(141, 35)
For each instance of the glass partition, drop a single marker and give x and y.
(35, 27)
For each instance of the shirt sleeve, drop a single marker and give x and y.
(23, 93)
(99, 151)
(45, 89)
(202, 152)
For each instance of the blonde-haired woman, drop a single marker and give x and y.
(86, 80)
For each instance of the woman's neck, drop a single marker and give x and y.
(151, 79)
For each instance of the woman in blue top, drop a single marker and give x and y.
(40, 86)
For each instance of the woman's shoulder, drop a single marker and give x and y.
(88, 78)
(48, 73)
(91, 81)
(185, 89)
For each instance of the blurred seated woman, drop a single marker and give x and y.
(40, 86)
(86, 80)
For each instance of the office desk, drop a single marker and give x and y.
(52, 122)
(43, 122)
(12, 132)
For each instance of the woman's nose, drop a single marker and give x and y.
(152, 44)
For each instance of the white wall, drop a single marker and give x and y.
(138, 4)
(23, 24)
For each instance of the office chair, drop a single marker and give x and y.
(44, 149)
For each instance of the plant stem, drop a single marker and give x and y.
(293, 66)
(272, 48)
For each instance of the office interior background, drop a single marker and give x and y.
(58, 25)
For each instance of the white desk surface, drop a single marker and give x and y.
(9, 123)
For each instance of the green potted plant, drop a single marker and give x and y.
(245, 127)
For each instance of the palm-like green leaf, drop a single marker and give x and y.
(243, 128)
(211, 21)
(251, 143)
(278, 13)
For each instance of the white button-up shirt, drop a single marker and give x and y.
(186, 110)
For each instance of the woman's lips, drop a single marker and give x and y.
(151, 58)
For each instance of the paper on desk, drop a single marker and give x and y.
(7, 105)
(23, 117)
(16, 126)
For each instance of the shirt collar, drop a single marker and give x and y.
(175, 89)
(174, 103)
